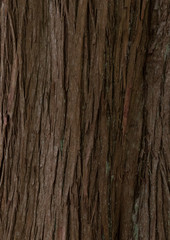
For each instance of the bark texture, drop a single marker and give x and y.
(84, 120)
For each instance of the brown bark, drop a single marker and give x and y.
(84, 119)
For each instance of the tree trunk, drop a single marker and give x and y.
(84, 120)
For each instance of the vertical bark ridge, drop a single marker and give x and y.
(157, 82)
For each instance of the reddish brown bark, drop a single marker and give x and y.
(84, 120)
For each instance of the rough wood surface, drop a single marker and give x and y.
(84, 119)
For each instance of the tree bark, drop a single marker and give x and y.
(84, 120)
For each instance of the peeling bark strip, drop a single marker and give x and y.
(126, 107)
(84, 120)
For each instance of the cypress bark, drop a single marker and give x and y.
(84, 119)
